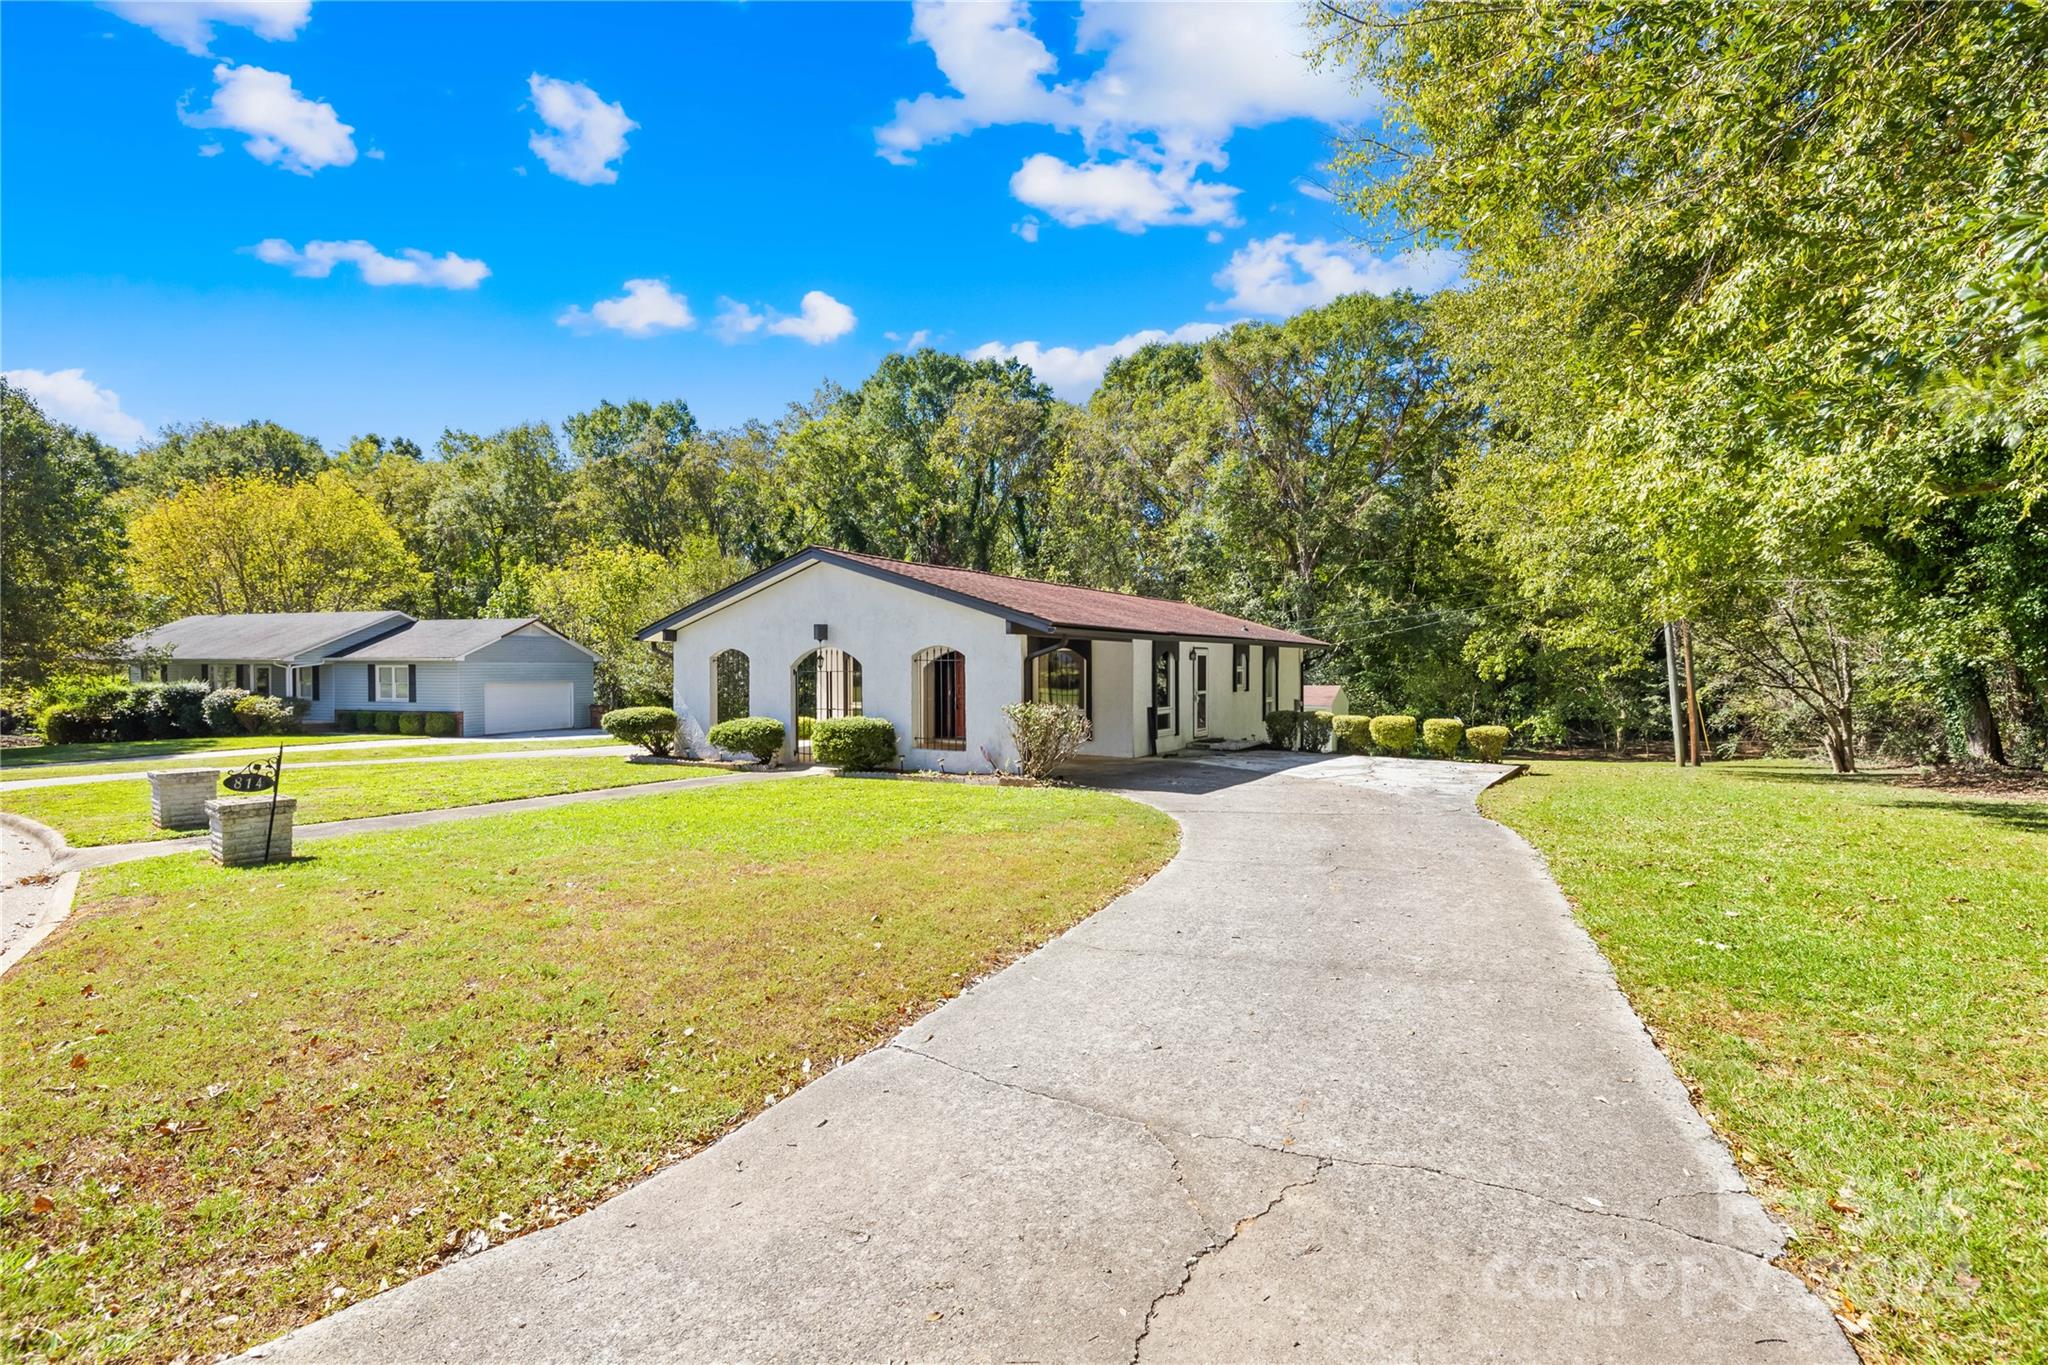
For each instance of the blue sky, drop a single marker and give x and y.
(208, 207)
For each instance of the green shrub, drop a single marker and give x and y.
(1442, 737)
(1394, 734)
(412, 723)
(270, 715)
(179, 708)
(760, 736)
(387, 722)
(219, 709)
(1046, 735)
(1488, 742)
(66, 722)
(804, 725)
(1281, 727)
(440, 724)
(653, 728)
(1354, 734)
(857, 742)
(1314, 731)
(345, 720)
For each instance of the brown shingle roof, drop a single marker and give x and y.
(1054, 608)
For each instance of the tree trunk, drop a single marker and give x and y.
(1979, 724)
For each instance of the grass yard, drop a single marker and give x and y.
(395, 748)
(42, 755)
(239, 1099)
(118, 812)
(1853, 978)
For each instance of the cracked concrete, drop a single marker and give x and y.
(1344, 1082)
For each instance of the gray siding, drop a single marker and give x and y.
(476, 671)
(460, 686)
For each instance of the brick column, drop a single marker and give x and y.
(237, 825)
(178, 797)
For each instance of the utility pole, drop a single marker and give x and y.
(1678, 745)
(1696, 725)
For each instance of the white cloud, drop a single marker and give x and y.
(819, 318)
(646, 308)
(67, 396)
(410, 266)
(1027, 228)
(1173, 84)
(1276, 276)
(211, 149)
(189, 23)
(1128, 193)
(588, 134)
(909, 343)
(284, 128)
(1073, 372)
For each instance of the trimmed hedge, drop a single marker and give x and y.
(1306, 731)
(1393, 734)
(760, 736)
(440, 724)
(1354, 734)
(1442, 736)
(412, 723)
(856, 742)
(1488, 742)
(653, 728)
(387, 722)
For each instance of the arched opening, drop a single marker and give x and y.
(824, 685)
(731, 686)
(1059, 677)
(938, 687)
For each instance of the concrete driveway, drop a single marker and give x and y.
(1344, 1082)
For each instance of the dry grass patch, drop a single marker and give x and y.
(238, 1092)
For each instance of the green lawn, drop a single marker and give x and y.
(390, 748)
(236, 1091)
(118, 812)
(1853, 977)
(42, 755)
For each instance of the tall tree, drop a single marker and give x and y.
(203, 452)
(256, 544)
(497, 502)
(642, 475)
(63, 593)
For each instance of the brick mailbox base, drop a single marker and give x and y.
(177, 799)
(238, 824)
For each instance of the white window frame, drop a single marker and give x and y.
(390, 682)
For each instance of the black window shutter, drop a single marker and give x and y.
(316, 684)
(373, 681)
(412, 682)
(242, 676)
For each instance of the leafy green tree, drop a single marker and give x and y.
(205, 452)
(601, 596)
(642, 475)
(496, 501)
(63, 593)
(263, 544)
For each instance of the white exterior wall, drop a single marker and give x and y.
(1118, 686)
(881, 624)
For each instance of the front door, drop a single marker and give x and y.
(1165, 664)
(1201, 659)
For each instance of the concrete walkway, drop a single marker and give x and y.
(1345, 1082)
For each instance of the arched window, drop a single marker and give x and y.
(731, 689)
(824, 685)
(938, 685)
(1060, 677)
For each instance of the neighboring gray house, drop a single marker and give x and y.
(501, 675)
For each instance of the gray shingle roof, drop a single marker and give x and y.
(437, 639)
(258, 635)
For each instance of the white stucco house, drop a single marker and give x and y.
(940, 651)
(501, 675)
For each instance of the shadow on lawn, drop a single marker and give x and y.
(2018, 800)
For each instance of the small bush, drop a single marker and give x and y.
(1281, 727)
(1314, 731)
(857, 742)
(1393, 734)
(440, 724)
(1488, 742)
(344, 720)
(412, 723)
(653, 728)
(1046, 735)
(65, 722)
(185, 705)
(270, 715)
(1354, 734)
(387, 722)
(219, 708)
(1442, 737)
(760, 736)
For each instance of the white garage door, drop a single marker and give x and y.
(510, 706)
